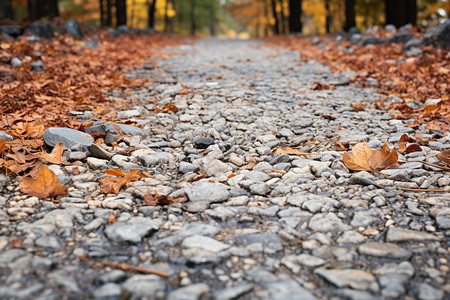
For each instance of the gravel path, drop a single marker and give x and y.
(259, 225)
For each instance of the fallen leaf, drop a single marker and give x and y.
(358, 160)
(166, 107)
(358, 106)
(383, 158)
(112, 218)
(55, 157)
(114, 184)
(444, 156)
(404, 139)
(321, 86)
(289, 151)
(45, 185)
(150, 200)
(413, 148)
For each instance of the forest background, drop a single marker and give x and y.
(232, 18)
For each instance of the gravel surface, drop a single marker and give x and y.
(258, 225)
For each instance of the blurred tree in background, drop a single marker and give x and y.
(241, 18)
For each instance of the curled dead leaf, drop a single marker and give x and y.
(110, 185)
(383, 158)
(289, 151)
(444, 156)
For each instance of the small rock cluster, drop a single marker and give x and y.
(257, 225)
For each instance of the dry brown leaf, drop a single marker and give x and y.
(383, 158)
(358, 160)
(55, 157)
(45, 185)
(150, 200)
(289, 151)
(412, 148)
(444, 156)
(114, 184)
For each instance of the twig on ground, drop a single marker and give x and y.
(124, 267)
(423, 190)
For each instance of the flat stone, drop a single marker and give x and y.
(404, 235)
(4, 135)
(196, 206)
(191, 292)
(132, 231)
(186, 167)
(205, 243)
(204, 142)
(96, 163)
(70, 138)
(351, 237)
(144, 286)
(47, 241)
(288, 289)
(355, 279)
(152, 160)
(233, 292)
(107, 290)
(98, 152)
(207, 191)
(327, 223)
(427, 292)
(109, 128)
(271, 241)
(112, 276)
(380, 249)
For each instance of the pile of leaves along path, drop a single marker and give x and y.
(405, 64)
(45, 83)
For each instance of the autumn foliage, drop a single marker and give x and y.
(412, 78)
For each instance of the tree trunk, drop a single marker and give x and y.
(166, 17)
(295, 12)
(350, 14)
(283, 18)
(328, 16)
(276, 27)
(172, 20)
(121, 12)
(102, 14)
(6, 11)
(151, 13)
(38, 9)
(266, 15)
(193, 17)
(411, 12)
(108, 12)
(212, 21)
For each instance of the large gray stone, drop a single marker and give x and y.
(71, 138)
(131, 231)
(288, 289)
(109, 128)
(438, 36)
(4, 135)
(405, 235)
(204, 242)
(384, 250)
(355, 279)
(207, 191)
(191, 292)
(327, 223)
(144, 286)
(73, 28)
